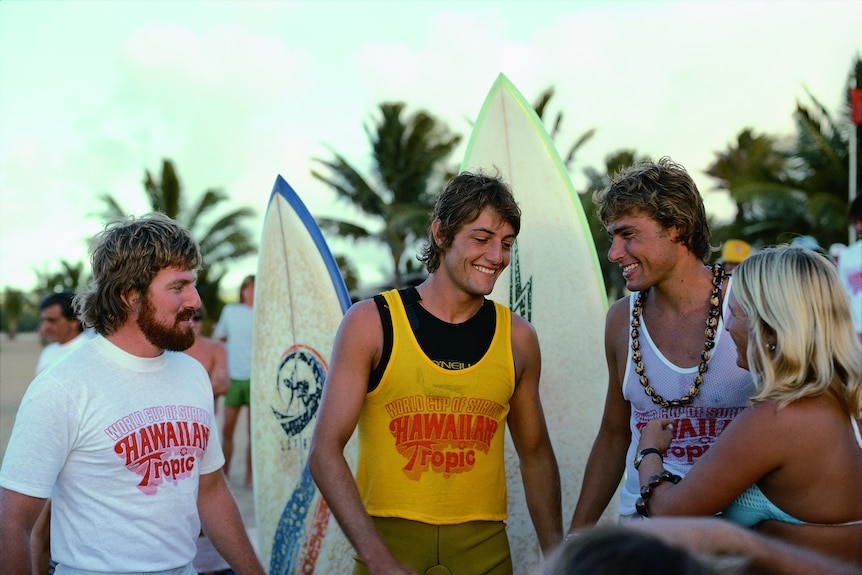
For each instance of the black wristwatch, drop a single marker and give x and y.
(643, 452)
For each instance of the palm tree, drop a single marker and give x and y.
(13, 306)
(407, 176)
(222, 237)
(787, 189)
(754, 172)
(822, 171)
(541, 106)
(348, 272)
(781, 192)
(71, 277)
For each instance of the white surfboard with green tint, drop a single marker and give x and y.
(554, 281)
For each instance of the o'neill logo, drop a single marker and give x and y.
(162, 443)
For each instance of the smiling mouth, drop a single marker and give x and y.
(485, 270)
(629, 268)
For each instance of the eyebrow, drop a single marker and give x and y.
(622, 228)
(491, 232)
(180, 282)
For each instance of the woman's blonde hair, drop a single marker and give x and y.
(794, 297)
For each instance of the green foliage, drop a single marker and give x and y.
(554, 126)
(786, 189)
(222, 236)
(71, 277)
(348, 272)
(408, 172)
(19, 311)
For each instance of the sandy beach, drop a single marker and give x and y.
(17, 364)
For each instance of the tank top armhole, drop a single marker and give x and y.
(386, 321)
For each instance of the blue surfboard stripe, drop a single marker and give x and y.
(289, 533)
(288, 539)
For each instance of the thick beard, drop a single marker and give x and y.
(171, 338)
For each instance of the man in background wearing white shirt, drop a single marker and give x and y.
(60, 326)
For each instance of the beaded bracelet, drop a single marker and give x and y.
(652, 483)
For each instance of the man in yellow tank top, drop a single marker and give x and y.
(430, 376)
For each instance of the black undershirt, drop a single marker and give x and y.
(449, 345)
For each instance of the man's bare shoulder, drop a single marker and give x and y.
(618, 313)
(363, 309)
(206, 348)
(617, 328)
(210, 344)
(363, 319)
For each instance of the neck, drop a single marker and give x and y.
(446, 303)
(680, 294)
(131, 340)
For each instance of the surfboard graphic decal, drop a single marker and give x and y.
(299, 380)
(301, 374)
(520, 296)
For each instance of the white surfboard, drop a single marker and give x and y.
(300, 299)
(554, 281)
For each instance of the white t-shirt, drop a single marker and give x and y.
(235, 326)
(118, 442)
(55, 351)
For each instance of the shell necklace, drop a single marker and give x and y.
(718, 276)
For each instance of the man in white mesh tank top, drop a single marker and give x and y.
(666, 351)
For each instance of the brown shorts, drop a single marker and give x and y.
(473, 548)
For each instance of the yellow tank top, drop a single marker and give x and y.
(431, 440)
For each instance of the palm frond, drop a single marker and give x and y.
(350, 185)
(112, 208)
(343, 228)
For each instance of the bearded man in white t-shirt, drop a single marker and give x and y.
(121, 433)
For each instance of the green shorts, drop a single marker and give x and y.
(239, 393)
(472, 548)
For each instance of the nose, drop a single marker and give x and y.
(496, 253)
(615, 252)
(193, 300)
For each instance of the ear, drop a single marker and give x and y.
(132, 301)
(673, 233)
(435, 232)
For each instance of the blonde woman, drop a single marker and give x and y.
(791, 464)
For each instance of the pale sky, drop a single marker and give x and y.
(237, 92)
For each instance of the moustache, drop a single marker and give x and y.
(186, 314)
